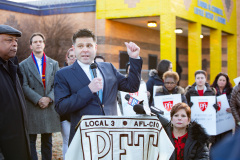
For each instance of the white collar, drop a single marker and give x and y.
(84, 65)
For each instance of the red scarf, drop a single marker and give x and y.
(44, 60)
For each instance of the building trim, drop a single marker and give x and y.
(78, 7)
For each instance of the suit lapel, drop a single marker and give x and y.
(79, 73)
(33, 69)
(101, 69)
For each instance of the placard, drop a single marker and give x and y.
(204, 113)
(127, 109)
(236, 81)
(166, 102)
(225, 120)
(120, 138)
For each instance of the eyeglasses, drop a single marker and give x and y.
(169, 83)
(72, 57)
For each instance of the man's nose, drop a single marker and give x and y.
(84, 49)
(15, 43)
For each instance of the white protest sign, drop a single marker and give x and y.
(120, 138)
(140, 95)
(225, 121)
(204, 113)
(166, 102)
(236, 80)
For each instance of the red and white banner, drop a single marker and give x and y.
(165, 103)
(120, 138)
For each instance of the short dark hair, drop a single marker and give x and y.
(200, 72)
(83, 33)
(228, 84)
(171, 74)
(100, 57)
(179, 106)
(37, 34)
(162, 67)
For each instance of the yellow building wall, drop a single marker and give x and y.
(216, 14)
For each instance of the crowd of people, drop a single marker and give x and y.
(38, 97)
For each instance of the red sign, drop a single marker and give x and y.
(168, 105)
(219, 105)
(203, 105)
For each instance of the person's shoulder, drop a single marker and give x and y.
(159, 89)
(51, 60)
(198, 132)
(25, 61)
(180, 90)
(153, 72)
(188, 88)
(65, 69)
(211, 89)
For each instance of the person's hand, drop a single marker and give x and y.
(229, 110)
(190, 104)
(96, 85)
(44, 102)
(132, 49)
(148, 94)
(215, 106)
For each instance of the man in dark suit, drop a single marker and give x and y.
(77, 93)
(14, 142)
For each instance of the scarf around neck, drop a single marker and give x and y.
(44, 60)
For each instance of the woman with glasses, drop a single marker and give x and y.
(155, 76)
(170, 86)
(65, 119)
(70, 57)
(222, 85)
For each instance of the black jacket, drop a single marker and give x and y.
(154, 80)
(191, 91)
(14, 141)
(162, 90)
(196, 144)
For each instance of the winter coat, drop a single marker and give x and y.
(235, 103)
(162, 90)
(196, 144)
(154, 80)
(41, 120)
(14, 139)
(191, 91)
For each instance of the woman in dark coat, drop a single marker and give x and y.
(155, 76)
(200, 87)
(222, 85)
(170, 86)
(189, 138)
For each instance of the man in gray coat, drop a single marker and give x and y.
(38, 77)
